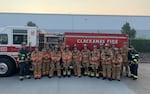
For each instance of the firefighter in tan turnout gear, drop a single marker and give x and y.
(116, 65)
(36, 63)
(124, 53)
(106, 62)
(76, 60)
(66, 59)
(46, 55)
(55, 62)
(85, 59)
(101, 50)
(94, 61)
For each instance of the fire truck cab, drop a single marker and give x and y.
(11, 38)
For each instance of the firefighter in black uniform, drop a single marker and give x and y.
(23, 58)
(133, 62)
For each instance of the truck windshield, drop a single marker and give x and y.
(19, 36)
(3, 39)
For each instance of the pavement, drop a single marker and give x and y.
(75, 85)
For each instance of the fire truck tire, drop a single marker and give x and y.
(7, 67)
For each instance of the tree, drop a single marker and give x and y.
(126, 29)
(32, 24)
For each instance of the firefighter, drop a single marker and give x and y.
(36, 63)
(85, 59)
(66, 59)
(46, 55)
(94, 62)
(23, 57)
(76, 60)
(134, 60)
(116, 64)
(55, 62)
(106, 62)
(101, 50)
(124, 52)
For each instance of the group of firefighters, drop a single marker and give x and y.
(107, 62)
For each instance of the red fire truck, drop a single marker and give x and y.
(11, 37)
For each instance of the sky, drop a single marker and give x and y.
(100, 7)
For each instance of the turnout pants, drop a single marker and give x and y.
(86, 68)
(66, 68)
(126, 66)
(55, 66)
(134, 70)
(106, 70)
(116, 72)
(94, 71)
(45, 68)
(24, 69)
(37, 70)
(77, 69)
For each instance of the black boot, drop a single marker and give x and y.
(110, 79)
(104, 78)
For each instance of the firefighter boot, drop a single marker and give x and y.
(69, 73)
(28, 76)
(21, 78)
(64, 73)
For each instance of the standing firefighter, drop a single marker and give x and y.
(55, 62)
(23, 57)
(101, 50)
(124, 52)
(116, 65)
(36, 63)
(94, 61)
(66, 59)
(85, 59)
(76, 60)
(46, 55)
(106, 62)
(134, 60)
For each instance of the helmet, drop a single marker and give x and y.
(107, 45)
(94, 46)
(85, 45)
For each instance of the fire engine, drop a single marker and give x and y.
(11, 38)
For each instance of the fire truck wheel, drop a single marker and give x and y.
(7, 67)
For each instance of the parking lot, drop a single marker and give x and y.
(75, 85)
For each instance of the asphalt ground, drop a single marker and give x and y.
(75, 85)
